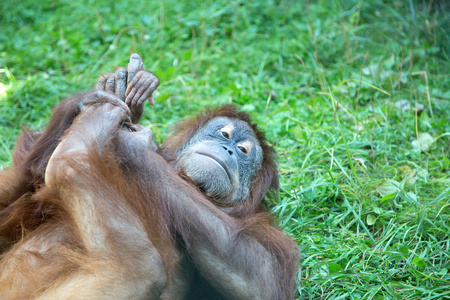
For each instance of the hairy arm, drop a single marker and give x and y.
(33, 149)
(61, 119)
(235, 263)
(122, 261)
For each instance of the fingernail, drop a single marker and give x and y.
(152, 101)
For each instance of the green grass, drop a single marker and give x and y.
(370, 212)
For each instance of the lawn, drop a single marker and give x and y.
(354, 96)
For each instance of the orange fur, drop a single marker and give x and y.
(35, 216)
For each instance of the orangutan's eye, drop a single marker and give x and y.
(242, 149)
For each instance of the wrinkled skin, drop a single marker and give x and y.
(222, 158)
(133, 85)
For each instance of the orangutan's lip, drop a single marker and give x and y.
(217, 160)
